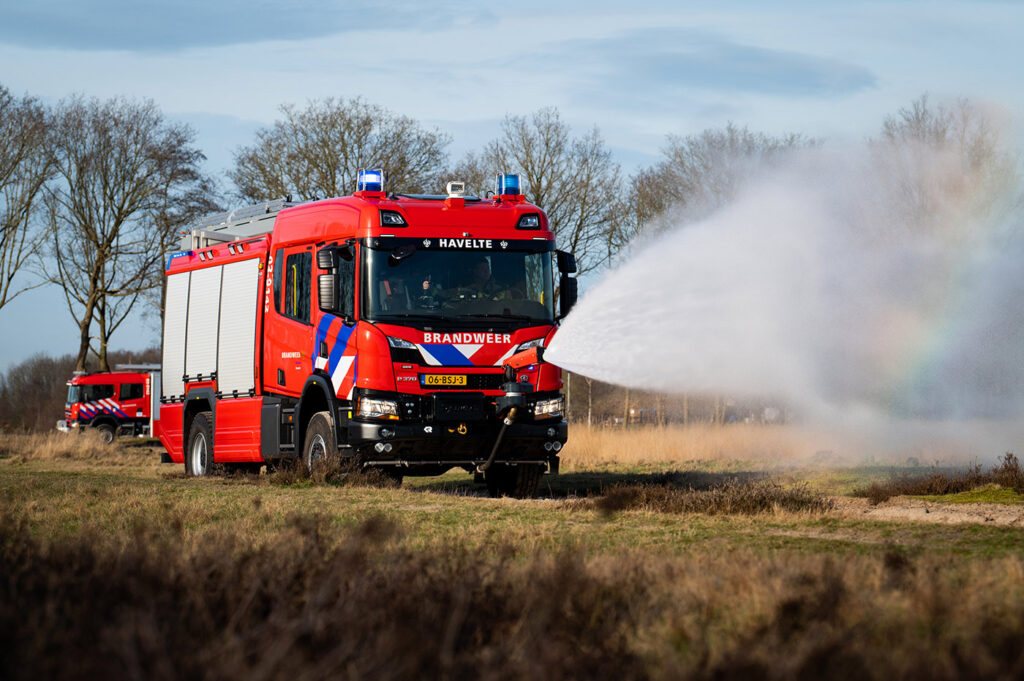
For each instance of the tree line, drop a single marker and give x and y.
(94, 193)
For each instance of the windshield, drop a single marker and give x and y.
(457, 285)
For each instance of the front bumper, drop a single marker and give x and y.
(451, 443)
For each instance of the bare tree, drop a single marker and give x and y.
(574, 179)
(938, 155)
(701, 173)
(125, 178)
(25, 165)
(315, 152)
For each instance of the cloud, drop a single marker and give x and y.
(145, 27)
(665, 67)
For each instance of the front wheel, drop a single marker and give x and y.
(199, 454)
(107, 433)
(319, 445)
(520, 482)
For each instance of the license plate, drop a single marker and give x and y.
(444, 379)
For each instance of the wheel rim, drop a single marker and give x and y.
(317, 449)
(107, 435)
(199, 454)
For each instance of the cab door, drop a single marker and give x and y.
(288, 335)
(131, 396)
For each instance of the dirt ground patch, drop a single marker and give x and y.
(907, 509)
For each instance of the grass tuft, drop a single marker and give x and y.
(332, 470)
(84, 445)
(1007, 473)
(732, 497)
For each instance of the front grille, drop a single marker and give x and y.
(473, 382)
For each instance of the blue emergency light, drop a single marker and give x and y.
(507, 184)
(370, 180)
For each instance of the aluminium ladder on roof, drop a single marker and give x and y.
(234, 225)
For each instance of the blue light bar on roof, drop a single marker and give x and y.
(507, 184)
(370, 180)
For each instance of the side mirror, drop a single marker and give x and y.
(400, 253)
(327, 291)
(568, 292)
(566, 262)
(347, 252)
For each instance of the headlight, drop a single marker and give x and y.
(399, 343)
(371, 408)
(529, 344)
(548, 408)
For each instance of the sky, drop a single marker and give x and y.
(636, 71)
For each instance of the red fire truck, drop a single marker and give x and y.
(377, 326)
(113, 402)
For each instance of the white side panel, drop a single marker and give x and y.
(175, 309)
(238, 327)
(203, 311)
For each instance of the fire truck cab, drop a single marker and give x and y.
(375, 326)
(113, 402)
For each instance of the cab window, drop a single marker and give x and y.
(278, 271)
(91, 393)
(131, 391)
(297, 277)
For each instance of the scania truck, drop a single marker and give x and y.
(376, 328)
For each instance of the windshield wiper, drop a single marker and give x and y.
(496, 315)
(411, 316)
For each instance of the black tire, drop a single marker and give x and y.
(107, 433)
(520, 482)
(392, 474)
(199, 452)
(320, 443)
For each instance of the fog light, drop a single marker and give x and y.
(387, 446)
(555, 446)
(547, 446)
(387, 432)
(379, 447)
(549, 408)
(551, 432)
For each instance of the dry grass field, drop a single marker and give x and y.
(697, 553)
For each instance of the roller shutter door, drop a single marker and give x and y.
(175, 309)
(237, 343)
(203, 313)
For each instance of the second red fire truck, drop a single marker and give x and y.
(112, 402)
(383, 327)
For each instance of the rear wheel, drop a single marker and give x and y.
(520, 482)
(319, 446)
(107, 433)
(199, 453)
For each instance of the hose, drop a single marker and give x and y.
(506, 422)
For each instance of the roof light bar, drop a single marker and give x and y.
(370, 180)
(506, 185)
